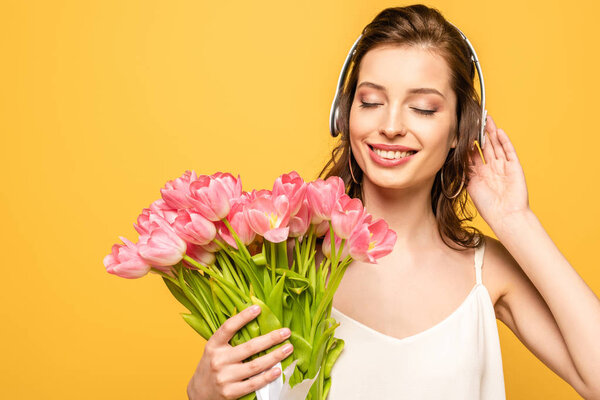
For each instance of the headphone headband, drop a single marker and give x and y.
(334, 112)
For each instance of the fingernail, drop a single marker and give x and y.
(276, 371)
(285, 332)
(254, 309)
(287, 348)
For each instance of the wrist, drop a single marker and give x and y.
(514, 222)
(192, 393)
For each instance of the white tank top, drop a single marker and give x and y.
(458, 358)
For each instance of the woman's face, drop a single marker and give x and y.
(403, 97)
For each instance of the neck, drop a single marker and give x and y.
(406, 210)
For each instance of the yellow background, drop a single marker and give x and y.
(102, 102)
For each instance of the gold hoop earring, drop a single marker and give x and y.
(350, 164)
(442, 185)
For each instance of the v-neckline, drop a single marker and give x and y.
(418, 334)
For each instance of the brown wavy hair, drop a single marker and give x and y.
(419, 25)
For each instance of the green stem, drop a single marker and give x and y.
(332, 241)
(214, 275)
(297, 253)
(208, 317)
(282, 258)
(329, 291)
(241, 246)
(272, 246)
(250, 268)
(232, 271)
(320, 290)
(163, 274)
(307, 246)
(339, 254)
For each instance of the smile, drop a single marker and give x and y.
(390, 158)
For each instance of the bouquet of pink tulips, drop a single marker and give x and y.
(220, 250)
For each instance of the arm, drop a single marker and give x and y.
(545, 302)
(547, 305)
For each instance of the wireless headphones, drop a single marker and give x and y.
(333, 115)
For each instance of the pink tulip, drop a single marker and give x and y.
(175, 192)
(147, 220)
(247, 197)
(322, 196)
(164, 210)
(300, 222)
(346, 214)
(371, 240)
(194, 228)
(239, 223)
(326, 247)
(322, 228)
(200, 254)
(213, 247)
(162, 247)
(144, 226)
(212, 195)
(294, 187)
(269, 217)
(125, 261)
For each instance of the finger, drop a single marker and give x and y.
(248, 369)
(240, 389)
(488, 150)
(223, 335)
(493, 139)
(509, 150)
(256, 345)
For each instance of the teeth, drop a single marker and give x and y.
(392, 155)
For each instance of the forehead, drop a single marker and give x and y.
(404, 67)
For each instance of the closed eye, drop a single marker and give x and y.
(367, 105)
(418, 110)
(424, 112)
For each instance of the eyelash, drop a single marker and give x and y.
(428, 113)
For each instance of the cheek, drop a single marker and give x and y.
(359, 122)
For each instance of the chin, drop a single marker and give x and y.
(389, 181)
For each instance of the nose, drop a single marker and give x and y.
(392, 124)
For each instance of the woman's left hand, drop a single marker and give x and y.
(498, 187)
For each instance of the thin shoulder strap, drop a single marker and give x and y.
(479, 260)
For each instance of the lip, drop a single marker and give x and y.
(388, 163)
(391, 147)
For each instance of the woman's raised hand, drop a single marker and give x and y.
(497, 187)
(221, 372)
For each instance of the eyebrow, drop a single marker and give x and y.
(415, 90)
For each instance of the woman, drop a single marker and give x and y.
(421, 324)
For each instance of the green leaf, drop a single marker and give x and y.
(326, 387)
(199, 288)
(297, 322)
(206, 312)
(333, 353)
(276, 298)
(224, 298)
(217, 304)
(302, 351)
(281, 250)
(293, 277)
(198, 324)
(180, 296)
(259, 259)
(320, 344)
(267, 321)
